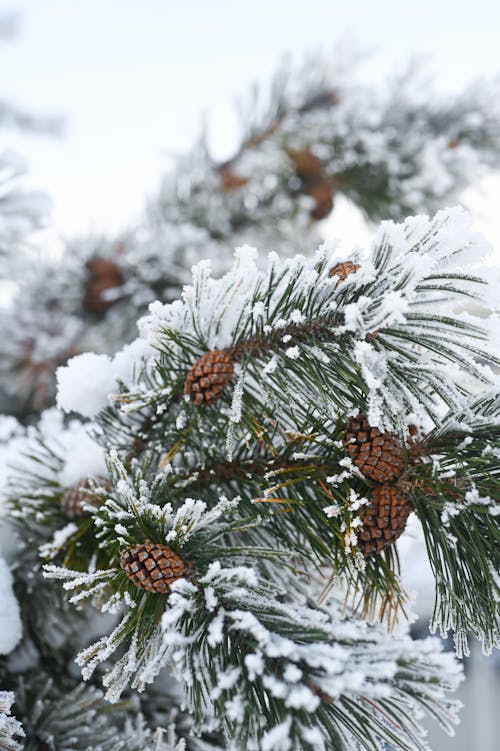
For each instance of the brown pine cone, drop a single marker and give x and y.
(208, 377)
(103, 275)
(307, 165)
(230, 181)
(311, 171)
(343, 270)
(416, 445)
(73, 500)
(153, 567)
(322, 192)
(378, 455)
(385, 518)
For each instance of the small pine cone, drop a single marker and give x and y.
(103, 276)
(74, 499)
(322, 192)
(378, 455)
(343, 270)
(230, 181)
(208, 377)
(153, 567)
(307, 165)
(385, 518)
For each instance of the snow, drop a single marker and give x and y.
(126, 363)
(9, 426)
(278, 739)
(10, 728)
(215, 633)
(302, 698)
(10, 616)
(259, 310)
(255, 665)
(226, 680)
(80, 454)
(50, 549)
(83, 456)
(332, 511)
(235, 709)
(85, 383)
(211, 600)
(236, 404)
(293, 352)
(271, 366)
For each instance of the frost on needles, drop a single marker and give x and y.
(313, 137)
(253, 659)
(269, 435)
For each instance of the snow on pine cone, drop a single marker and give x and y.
(77, 496)
(378, 455)
(208, 377)
(343, 270)
(384, 520)
(153, 566)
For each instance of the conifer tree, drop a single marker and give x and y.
(269, 435)
(314, 133)
(209, 522)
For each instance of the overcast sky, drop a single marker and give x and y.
(135, 77)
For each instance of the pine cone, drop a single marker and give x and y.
(209, 375)
(103, 275)
(307, 165)
(230, 181)
(73, 500)
(153, 567)
(343, 270)
(322, 192)
(416, 445)
(385, 519)
(378, 455)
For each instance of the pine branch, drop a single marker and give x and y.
(317, 507)
(332, 406)
(74, 716)
(318, 134)
(260, 653)
(11, 730)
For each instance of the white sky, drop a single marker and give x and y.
(134, 79)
